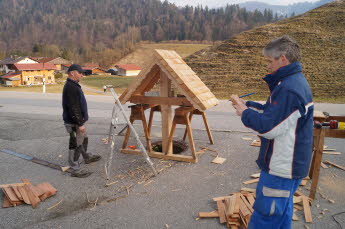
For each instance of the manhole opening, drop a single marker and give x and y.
(178, 146)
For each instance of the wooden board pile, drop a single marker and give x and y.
(20, 193)
(236, 209)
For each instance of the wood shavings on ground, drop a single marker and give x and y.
(247, 139)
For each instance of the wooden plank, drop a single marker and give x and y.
(324, 166)
(125, 96)
(220, 198)
(306, 208)
(297, 199)
(248, 205)
(303, 182)
(172, 101)
(251, 181)
(212, 214)
(150, 80)
(300, 208)
(24, 194)
(219, 160)
(15, 189)
(248, 190)
(11, 195)
(221, 211)
(165, 91)
(334, 133)
(31, 194)
(335, 165)
(250, 199)
(6, 203)
(317, 162)
(331, 153)
(256, 175)
(295, 217)
(244, 211)
(11, 185)
(237, 203)
(232, 203)
(48, 190)
(174, 157)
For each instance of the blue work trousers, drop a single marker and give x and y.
(273, 207)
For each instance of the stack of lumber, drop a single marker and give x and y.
(236, 209)
(20, 193)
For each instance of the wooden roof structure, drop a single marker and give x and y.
(181, 75)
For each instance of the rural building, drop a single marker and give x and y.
(127, 69)
(7, 64)
(57, 61)
(11, 79)
(33, 74)
(93, 70)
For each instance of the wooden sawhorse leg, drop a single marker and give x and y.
(138, 113)
(203, 114)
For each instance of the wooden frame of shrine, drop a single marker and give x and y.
(168, 68)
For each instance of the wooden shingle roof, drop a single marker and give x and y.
(181, 75)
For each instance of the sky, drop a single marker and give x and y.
(211, 3)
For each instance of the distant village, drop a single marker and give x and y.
(27, 71)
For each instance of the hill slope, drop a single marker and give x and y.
(237, 65)
(144, 53)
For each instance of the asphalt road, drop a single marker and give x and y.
(31, 123)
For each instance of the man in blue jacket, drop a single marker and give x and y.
(75, 115)
(285, 126)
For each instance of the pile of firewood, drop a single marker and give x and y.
(20, 193)
(236, 209)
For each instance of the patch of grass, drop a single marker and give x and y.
(50, 88)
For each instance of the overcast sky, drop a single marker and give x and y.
(223, 2)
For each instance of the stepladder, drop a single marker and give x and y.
(117, 110)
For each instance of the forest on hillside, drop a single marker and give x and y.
(104, 30)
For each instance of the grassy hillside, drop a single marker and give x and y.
(237, 65)
(145, 51)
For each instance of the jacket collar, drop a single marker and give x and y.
(274, 78)
(73, 81)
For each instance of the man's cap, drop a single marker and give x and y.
(76, 67)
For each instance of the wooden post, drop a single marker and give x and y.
(320, 133)
(165, 91)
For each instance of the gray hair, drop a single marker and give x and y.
(283, 46)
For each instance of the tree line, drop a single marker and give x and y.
(88, 30)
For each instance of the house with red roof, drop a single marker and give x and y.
(11, 79)
(35, 74)
(57, 61)
(7, 64)
(127, 69)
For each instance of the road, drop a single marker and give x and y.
(31, 123)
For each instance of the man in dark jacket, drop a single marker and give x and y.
(75, 115)
(285, 126)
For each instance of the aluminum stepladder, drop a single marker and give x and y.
(111, 138)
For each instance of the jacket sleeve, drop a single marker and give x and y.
(280, 115)
(255, 105)
(74, 106)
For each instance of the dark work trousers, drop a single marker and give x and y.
(77, 145)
